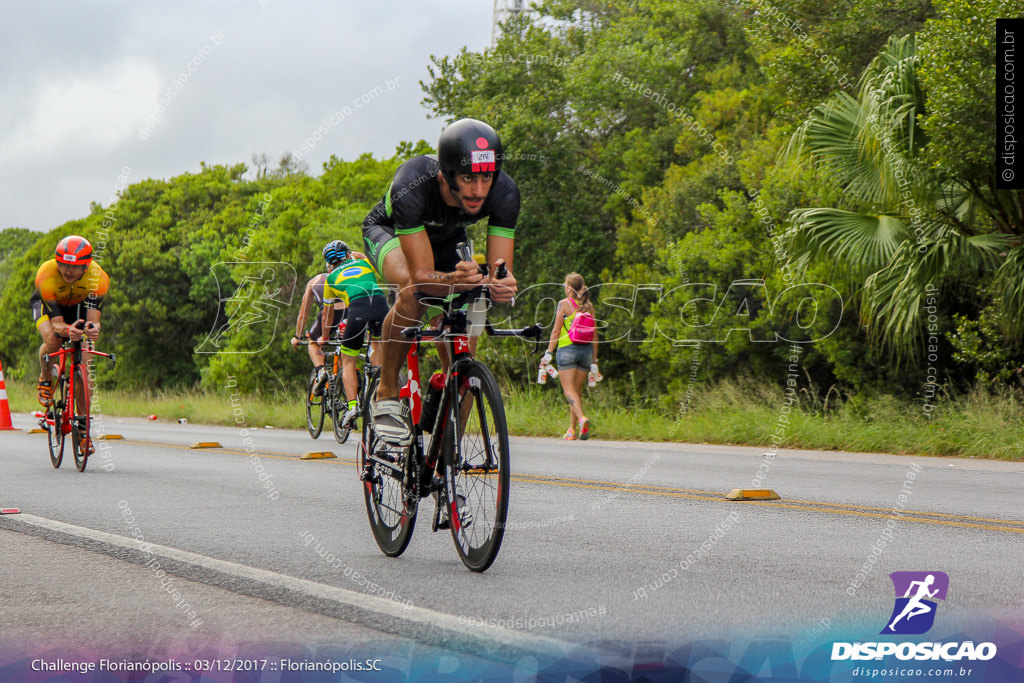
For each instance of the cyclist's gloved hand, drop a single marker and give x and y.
(92, 331)
(502, 289)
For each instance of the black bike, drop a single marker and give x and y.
(460, 449)
(339, 402)
(323, 400)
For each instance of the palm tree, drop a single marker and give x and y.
(907, 227)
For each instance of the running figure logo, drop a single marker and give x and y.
(916, 592)
(247, 319)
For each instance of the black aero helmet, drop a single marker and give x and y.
(468, 146)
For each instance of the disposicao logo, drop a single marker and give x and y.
(916, 595)
(913, 614)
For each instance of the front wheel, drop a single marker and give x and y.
(316, 407)
(476, 466)
(55, 421)
(383, 469)
(81, 440)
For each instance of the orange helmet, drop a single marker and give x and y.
(74, 250)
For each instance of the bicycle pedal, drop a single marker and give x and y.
(441, 519)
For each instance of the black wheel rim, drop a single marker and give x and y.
(54, 427)
(81, 427)
(477, 472)
(338, 409)
(314, 408)
(391, 512)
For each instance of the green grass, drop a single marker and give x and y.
(978, 424)
(201, 407)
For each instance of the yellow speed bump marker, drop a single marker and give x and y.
(206, 444)
(111, 437)
(752, 494)
(37, 431)
(317, 455)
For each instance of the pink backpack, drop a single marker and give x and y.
(581, 331)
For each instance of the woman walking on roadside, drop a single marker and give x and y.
(575, 337)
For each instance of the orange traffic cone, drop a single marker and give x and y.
(5, 410)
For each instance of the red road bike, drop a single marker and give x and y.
(69, 411)
(460, 449)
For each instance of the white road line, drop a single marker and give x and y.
(435, 628)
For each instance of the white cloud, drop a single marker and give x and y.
(90, 75)
(93, 112)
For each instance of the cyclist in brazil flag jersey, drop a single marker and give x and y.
(66, 302)
(313, 297)
(352, 285)
(410, 239)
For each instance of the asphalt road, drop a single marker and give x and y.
(630, 547)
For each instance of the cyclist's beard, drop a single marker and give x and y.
(471, 210)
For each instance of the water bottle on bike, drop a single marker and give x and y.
(430, 401)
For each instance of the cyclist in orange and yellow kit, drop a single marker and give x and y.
(66, 303)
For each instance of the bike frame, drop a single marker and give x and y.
(75, 350)
(451, 331)
(330, 350)
(458, 348)
(396, 478)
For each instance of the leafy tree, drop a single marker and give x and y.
(24, 252)
(262, 277)
(645, 137)
(905, 229)
(13, 243)
(811, 49)
(957, 73)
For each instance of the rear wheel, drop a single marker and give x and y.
(476, 466)
(315, 407)
(55, 421)
(81, 425)
(383, 469)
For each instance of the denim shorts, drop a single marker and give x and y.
(574, 356)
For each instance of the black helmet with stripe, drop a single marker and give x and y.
(335, 252)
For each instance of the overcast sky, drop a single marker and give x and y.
(91, 89)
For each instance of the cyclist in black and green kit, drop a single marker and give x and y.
(353, 285)
(410, 239)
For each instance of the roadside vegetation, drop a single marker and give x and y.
(977, 424)
(762, 197)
